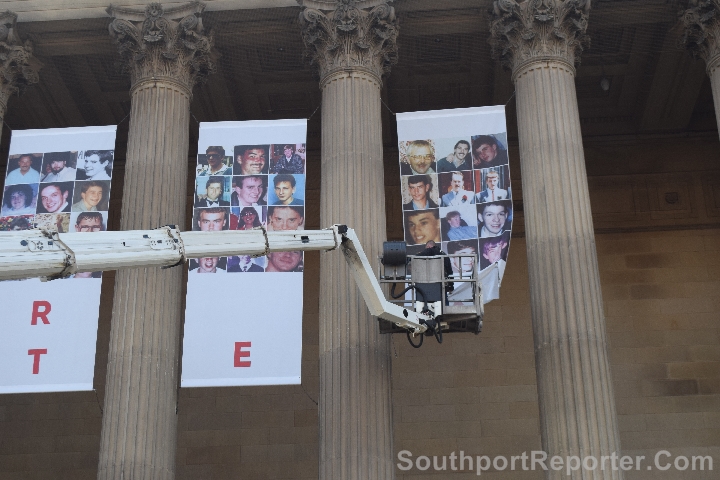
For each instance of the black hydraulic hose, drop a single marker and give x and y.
(411, 287)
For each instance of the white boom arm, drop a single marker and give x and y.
(41, 253)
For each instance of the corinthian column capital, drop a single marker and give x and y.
(350, 36)
(702, 31)
(523, 32)
(18, 67)
(163, 44)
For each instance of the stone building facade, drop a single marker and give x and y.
(614, 150)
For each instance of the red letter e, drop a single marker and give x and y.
(41, 314)
(239, 353)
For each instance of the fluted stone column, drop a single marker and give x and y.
(540, 41)
(353, 44)
(702, 37)
(166, 53)
(18, 67)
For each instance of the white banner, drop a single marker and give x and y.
(56, 179)
(455, 182)
(243, 321)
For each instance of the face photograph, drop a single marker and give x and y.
(247, 218)
(88, 222)
(249, 191)
(422, 226)
(494, 218)
(208, 265)
(458, 223)
(95, 164)
(55, 197)
(212, 191)
(59, 167)
(91, 196)
(19, 199)
(212, 219)
(24, 168)
(493, 249)
(286, 189)
(417, 157)
(246, 264)
(492, 184)
(456, 188)
(215, 161)
(284, 262)
(419, 192)
(288, 158)
(453, 154)
(286, 218)
(251, 159)
(489, 150)
(464, 264)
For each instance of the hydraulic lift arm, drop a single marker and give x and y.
(47, 254)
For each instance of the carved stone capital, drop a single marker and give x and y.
(350, 36)
(527, 31)
(163, 44)
(18, 67)
(702, 31)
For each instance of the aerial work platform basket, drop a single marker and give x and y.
(453, 295)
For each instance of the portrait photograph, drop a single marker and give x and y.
(494, 218)
(19, 199)
(213, 191)
(285, 217)
(208, 265)
(249, 190)
(22, 222)
(246, 264)
(489, 150)
(421, 226)
(251, 159)
(458, 223)
(211, 219)
(456, 188)
(91, 196)
(247, 218)
(288, 158)
(217, 160)
(59, 222)
(494, 249)
(286, 189)
(95, 164)
(417, 157)
(24, 168)
(453, 154)
(55, 197)
(59, 167)
(492, 184)
(420, 192)
(88, 222)
(285, 262)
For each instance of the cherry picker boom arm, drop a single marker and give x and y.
(42, 253)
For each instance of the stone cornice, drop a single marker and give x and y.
(527, 31)
(18, 67)
(163, 44)
(702, 31)
(350, 35)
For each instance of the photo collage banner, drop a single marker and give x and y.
(243, 321)
(57, 179)
(456, 191)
